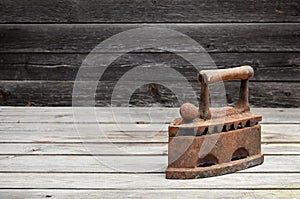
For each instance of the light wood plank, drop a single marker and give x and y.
(71, 127)
(122, 148)
(271, 133)
(133, 194)
(117, 164)
(97, 149)
(149, 181)
(283, 149)
(90, 136)
(124, 115)
(69, 166)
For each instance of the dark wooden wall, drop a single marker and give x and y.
(43, 43)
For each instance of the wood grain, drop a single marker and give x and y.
(235, 39)
(174, 193)
(48, 158)
(59, 93)
(59, 67)
(121, 133)
(81, 149)
(47, 117)
(104, 11)
(82, 38)
(122, 164)
(43, 44)
(148, 181)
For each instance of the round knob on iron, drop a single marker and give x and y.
(188, 111)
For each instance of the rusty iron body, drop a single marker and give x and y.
(201, 146)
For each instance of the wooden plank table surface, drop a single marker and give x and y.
(47, 153)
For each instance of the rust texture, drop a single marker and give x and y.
(202, 147)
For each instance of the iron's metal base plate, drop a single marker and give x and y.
(215, 170)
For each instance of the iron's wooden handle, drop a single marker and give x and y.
(212, 76)
(242, 73)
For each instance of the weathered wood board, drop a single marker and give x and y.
(132, 11)
(125, 164)
(148, 181)
(59, 93)
(82, 38)
(42, 155)
(49, 55)
(159, 148)
(140, 116)
(180, 194)
(274, 67)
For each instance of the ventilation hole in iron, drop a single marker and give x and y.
(231, 127)
(224, 129)
(185, 132)
(207, 164)
(240, 126)
(215, 130)
(247, 123)
(207, 161)
(205, 131)
(239, 154)
(198, 133)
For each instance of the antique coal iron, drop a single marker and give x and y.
(201, 145)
